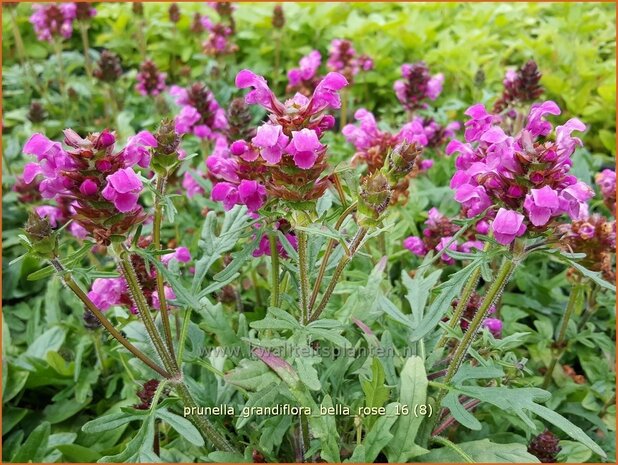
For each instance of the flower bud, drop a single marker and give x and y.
(402, 160)
(373, 199)
(545, 447)
(278, 17)
(165, 154)
(42, 237)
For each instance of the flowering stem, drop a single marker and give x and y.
(83, 27)
(352, 249)
(71, 284)
(274, 270)
(277, 55)
(493, 293)
(156, 238)
(329, 249)
(209, 431)
(303, 271)
(142, 307)
(19, 46)
(468, 290)
(445, 442)
(574, 301)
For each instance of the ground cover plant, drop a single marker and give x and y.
(239, 232)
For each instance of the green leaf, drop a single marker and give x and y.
(109, 422)
(594, 275)
(251, 375)
(34, 448)
(376, 393)
(78, 454)
(419, 289)
(447, 292)
(483, 451)
(413, 392)
(379, 436)
(182, 426)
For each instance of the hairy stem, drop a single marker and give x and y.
(156, 238)
(274, 270)
(575, 299)
(143, 308)
(303, 272)
(329, 249)
(353, 248)
(207, 428)
(71, 284)
(467, 292)
(493, 293)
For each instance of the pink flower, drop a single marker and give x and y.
(51, 20)
(272, 141)
(261, 93)
(308, 67)
(305, 147)
(494, 326)
(536, 125)
(415, 245)
(507, 226)
(169, 295)
(123, 188)
(473, 198)
(223, 168)
(181, 254)
(136, 151)
(106, 292)
(190, 185)
(565, 143)
(541, 205)
(449, 244)
(573, 200)
(252, 194)
(54, 215)
(225, 192)
(326, 94)
(434, 86)
(479, 123)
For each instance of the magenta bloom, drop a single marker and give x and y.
(150, 81)
(541, 205)
(415, 245)
(190, 185)
(181, 254)
(169, 295)
(417, 86)
(307, 69)
(526, 172)
(494, 326)
(53, 20)
(449, 244)
(272, 142)
(507, 226)
(107, 292)
(252, 194)
(200, 114)
(305, 148)
(136, 151)
(123, 188)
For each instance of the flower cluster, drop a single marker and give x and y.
(545, 447)
(436, 134)
(285, 158)
(594, 236)
(150, 81)
(606, 180)
(373, 145)
(53, 21)
(305, 79)
(84, 11)
(200, 114)
(278, 19)
(417, 86)
(107, 292)
(91, 183)
(438, 234)
(525, 175)
(343, 59)
(218, 40)
(174, 13)
(108, 68)
(521, 86)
